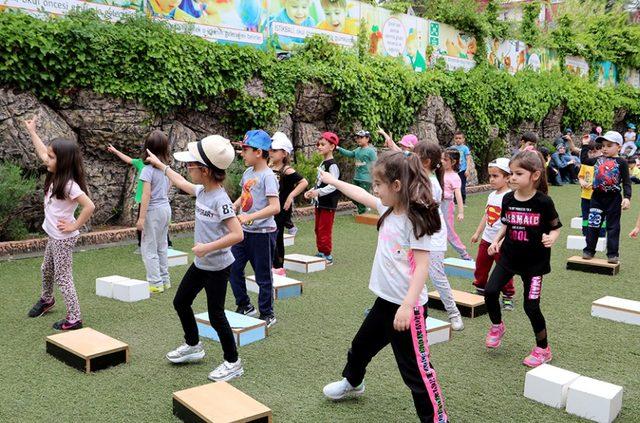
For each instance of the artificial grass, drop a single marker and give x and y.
(307, 347)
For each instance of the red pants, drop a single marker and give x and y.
(483, 266)
(324, 230)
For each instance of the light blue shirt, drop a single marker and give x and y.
(464, 152)
(256, 188)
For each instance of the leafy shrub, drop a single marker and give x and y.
(13, 188)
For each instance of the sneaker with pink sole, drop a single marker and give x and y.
(494, 337)
(538, 357)
(280, 271)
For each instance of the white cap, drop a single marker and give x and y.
(214, 150)
(280, 141)
(611, 136)
(501, 163)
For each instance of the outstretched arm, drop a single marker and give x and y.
(175, 178)
(121, 155)
(41, 149)
(352, 191)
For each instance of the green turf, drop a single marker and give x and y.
(307, 348)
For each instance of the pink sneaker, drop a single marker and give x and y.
(538, 356)
(279, 271)
(494, 337)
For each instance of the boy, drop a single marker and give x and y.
(629, 141)
(634, 170)
(611, 175)
(465, 161)
(293, 12)
(325, 197)
(365, 155)
(336, 18)
(528, 141)
(585, 177)
(256, 208)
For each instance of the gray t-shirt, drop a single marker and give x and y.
(159, 186)
(256, 187)
(212, 209)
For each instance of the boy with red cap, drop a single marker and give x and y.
(325, 197)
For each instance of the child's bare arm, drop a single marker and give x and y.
(120, 154)
(41, 149)
(480, 229)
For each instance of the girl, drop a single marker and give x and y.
(407, 143)
(430, 155)
(408, 219)
(291, 185)
(155, 214)
(216, 230)
(490, 225)
(64, 188)
(530, 227)
(452, 189)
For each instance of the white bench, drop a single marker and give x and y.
(549, 385)
(594, 399)
(617, 309)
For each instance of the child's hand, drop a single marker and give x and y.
(200, 250)
(244, 219)
(312, 193)
(460, 216)
(634, 233)
(626, 204)
(327, 178)
(548, 240)
(66, 226)
(31, 124)
(493, 249)
(154, 161)
(475, 237)
(586, 139)
(402, 321)
(112, 149)
(287, 204)
(384, 134)
(140, 224)
(584, 184)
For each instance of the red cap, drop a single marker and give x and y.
(331, 137)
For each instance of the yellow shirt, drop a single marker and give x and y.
(351, 26)
(636, 172)
(586, 173)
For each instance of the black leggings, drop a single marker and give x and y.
(215, 285)
(532, 290)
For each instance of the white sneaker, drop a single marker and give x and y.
(342, 389)
(456, 323)
(167, 284)
(186, 353)
(227, 371)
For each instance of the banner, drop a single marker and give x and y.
(456, 48)
(542, 59)
(607, 74)
(510, 55)
(576, 65)
(107, 9)
(632, 77)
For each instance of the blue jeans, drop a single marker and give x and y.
(257, 249)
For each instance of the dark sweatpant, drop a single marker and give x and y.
(411, 351)
(532, 288)
(215, 285)
(604, 206)
(463, 187)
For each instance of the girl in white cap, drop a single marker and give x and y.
(216, 230)
(291, 183)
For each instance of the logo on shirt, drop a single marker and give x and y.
(246, 199)
(517, 218)
(493, 214)
(607, 175)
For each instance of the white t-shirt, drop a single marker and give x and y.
(393, 263)
(492, 213)
(439, 239)
(56, 210)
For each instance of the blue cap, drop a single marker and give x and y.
(257, 138)
(631, 126)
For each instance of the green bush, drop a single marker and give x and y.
(13, 188)
(307, 167)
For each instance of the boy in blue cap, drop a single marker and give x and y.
(256, 208)
(629, 147)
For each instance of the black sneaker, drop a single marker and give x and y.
(586, 255)
(269, 320)
(64, 324)
(248, 310)
(41, 308)
(613, 260)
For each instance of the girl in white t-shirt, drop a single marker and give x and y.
(489, 227)
(408, 219)
(64, 189)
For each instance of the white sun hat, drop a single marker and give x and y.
(211, 151)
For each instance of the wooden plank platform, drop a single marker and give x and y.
(367, 219)
(617, 309)
(218, 403)
(87, 349)
(304, 264)
(246, 329)
(595, 265)
(470, 305)
(283, 287)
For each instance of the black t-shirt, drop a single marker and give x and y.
(287, 185)
(522, 250)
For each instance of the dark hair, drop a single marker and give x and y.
(631, 160)
(454, 155)
(591, 146)
(530, 137)
(415, 193)
(533, 161)
(69, 167)
(215, 174)
(545, 152)
(158, 143)
(433, 152)
(265, 153)
(458, 133)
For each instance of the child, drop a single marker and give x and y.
(629, 141)
(325, 197)
(256, 208)
(611, 175)
(337, 18)
(365, 156)
(465, 162)
(634, 170)
(407, 143)
(553, 174)
(64, 188)
(528, 142)
(291, 185)
(216, 230)
(408, 219)
(165, 9)
(293, 12)
(452, 183)
(530, 227)
(430, 155)
(490, 225)
(585, 177)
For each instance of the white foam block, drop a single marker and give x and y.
(304, 264)
(617, 309)
(177, 258)
(131, 290)
(283, 287)
(576, 222)
(548, 385)
(594, 400)
(437, 331)
(104, 285)
(578, 242)
(289, 240)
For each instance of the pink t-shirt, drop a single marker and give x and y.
(451, 182)
(56, 210)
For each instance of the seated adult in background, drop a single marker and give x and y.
(553, 174)
(566, 164)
